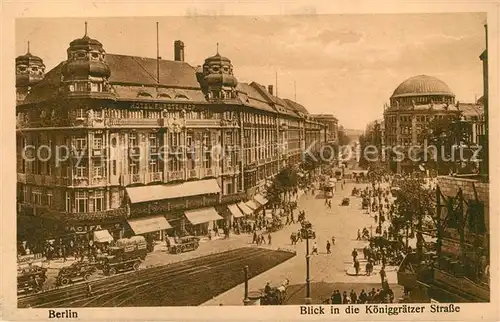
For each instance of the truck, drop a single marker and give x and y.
(126, 254)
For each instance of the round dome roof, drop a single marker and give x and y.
(217, 57)
(85, 41)
(28, 57)
(422, 85)
(85, 68)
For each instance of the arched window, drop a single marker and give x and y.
(144, 94)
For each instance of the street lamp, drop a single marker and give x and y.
(308, 234)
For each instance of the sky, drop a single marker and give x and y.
(346, 65)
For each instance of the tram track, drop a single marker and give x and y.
(105, 283)
(153, 286)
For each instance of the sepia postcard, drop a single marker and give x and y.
(249, 161)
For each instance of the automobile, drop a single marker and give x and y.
(76, 272)
(184, 244)
(31, 279)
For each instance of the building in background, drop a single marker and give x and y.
(332, 126)
(146, 146)
(414, 103)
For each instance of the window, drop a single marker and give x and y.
(153, 140)
(37, 197)
(98, 168)
(50, 198)
(153, 165)
(134, 167)
(175, 164)
(26, 195)
(206, 139)
(81, 143)
(82, 87)
(80, 113)
(98, 201)
(81, 169)
(94, 87)
(207, 160)
(175, 139)
(189, 140)
(98, 113)
(81, 199)
(68, 202)
(114, 167)
(132, 140)
(97, 141)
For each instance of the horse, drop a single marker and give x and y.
(277, 295)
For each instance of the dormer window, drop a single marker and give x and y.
(95, 56)
(81, 55)
(144, 94)
(35, 69)
(164, 95)
(215, 69)
(22, 69)
(181, 96)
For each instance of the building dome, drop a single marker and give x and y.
(422, 85)
(86, 58)
(218, 72)
(30, 70)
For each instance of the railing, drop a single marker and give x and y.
(462, 283)
(176, 175)
(133, 122)
(98, 181)
(155, 176)
(203, 123)
(80, 182)
(209, 172)
(136, 178)
(193, 174)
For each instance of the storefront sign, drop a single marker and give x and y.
(29, 258)
(90, 228)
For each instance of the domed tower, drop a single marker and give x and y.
(86, 70)
(30, 70)
(420, 90)
(218, 80)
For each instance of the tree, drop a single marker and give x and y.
(343, 138)
(446, 135)
(283, 183)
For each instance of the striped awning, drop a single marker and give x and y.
(148, 224)
(244, 208)
(260, 199)
(235, 211)
(202, 215)
(252, 204)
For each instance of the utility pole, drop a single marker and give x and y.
(246, 300)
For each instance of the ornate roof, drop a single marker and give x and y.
(422, 85)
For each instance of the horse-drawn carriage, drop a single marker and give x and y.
(184, 244)
(273, 295)
(31, 279)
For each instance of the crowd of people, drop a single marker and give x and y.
(374, 296)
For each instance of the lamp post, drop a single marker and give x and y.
(307, 300)
(246, 300)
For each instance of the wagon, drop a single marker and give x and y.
(76, 272)
(184, 244)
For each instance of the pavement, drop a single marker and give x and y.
(342, 222)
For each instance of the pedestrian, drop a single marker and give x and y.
(333, 240)
(89, 290)
(362, 297)
(354, 254)
(359, 235)
(356, 267)
(354, 296)
(344, 298)
(369, 268)
(328, 247)
(382, 275)
(262, 239)
(255, 237)
(315, 248)
(269, 239)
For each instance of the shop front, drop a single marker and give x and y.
(247, 211)
(153, 228)
(203, 220)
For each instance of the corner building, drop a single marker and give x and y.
(146, 146)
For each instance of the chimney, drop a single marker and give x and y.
(270, 89)
(178, 50)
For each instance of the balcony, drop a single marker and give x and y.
(98, 152)
(80, 182)
(135, 150)
(193, 123)
(98, 181)
(176, 175)
(230, 170)
(129, 179)
(207, 172)
(155, 176)
(193, 174)
(130, 122)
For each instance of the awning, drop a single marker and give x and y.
(102, 236)
(171, 191)
(148, 224)
(260, 199)
(244, 208)
(235, 211)
(252, 204)
(202, 215)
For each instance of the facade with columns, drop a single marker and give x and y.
(106, 138)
